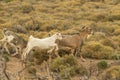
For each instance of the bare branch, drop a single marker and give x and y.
(4, 67)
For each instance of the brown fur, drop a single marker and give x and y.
(74, 41)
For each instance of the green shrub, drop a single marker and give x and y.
(63, 61)
(115, 56)
(96, 50)
(67, 63)
(102, 65)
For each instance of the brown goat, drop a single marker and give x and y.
(74, 42)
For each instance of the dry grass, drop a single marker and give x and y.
(41, 17)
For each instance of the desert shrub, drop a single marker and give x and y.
(7, 0)
(41, 34)
(68, 63)
(2, 21)
(116, 32)
(23, 20)
(112, 73)
(31, 70)
(97, 36)
(58, 62)
(19, 29)
(115, 2)
(70, 31)
(97, 0)
(102, 65)
(24, 36)
(6, 25)
(39, 56)
(108, 42)
(98, 16)
(47, 26)
(115, 56)
(38, 24)
(78, 70)
(96, 50)
(116, 40)
(115, 12)
(27, 8)
(29, 25)
(105, 27)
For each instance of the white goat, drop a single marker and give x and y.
(13, 40)
(6, 40)
(3, 44)
(45, 43)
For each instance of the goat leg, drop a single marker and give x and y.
(15, 48)
(56, 50)
(6, 48)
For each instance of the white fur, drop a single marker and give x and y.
(45, 43)
(5, 40)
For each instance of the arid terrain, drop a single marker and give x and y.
(43, 17)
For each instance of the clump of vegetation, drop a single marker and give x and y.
(116, 40)
(7, 0)
(67, 65)
(97, 36)
(27, 8)
(31, 70)
(39, 56)
(97, 50)
(116, 32)
(108, 42)
(116, 56)
(41, 17)
(111, 73)
(102, 65)
(19, 29)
